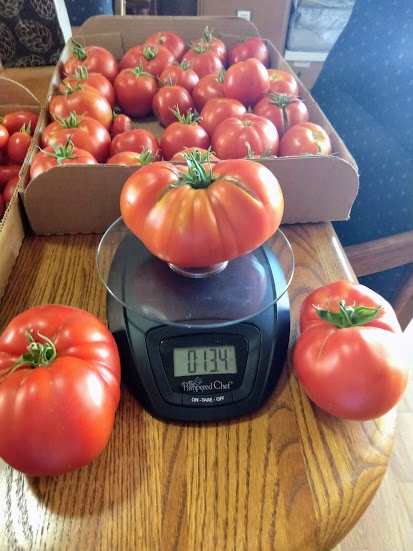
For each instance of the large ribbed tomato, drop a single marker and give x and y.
(59, 389)
(202, 214)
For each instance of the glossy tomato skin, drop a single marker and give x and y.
(168, 99)
(305, 138)
(135, 91)
(16, 119)
(96, 60)
(231, 135)
(357, 372)
(4, 137)
(131, 158)
(282, 110)
(95, 80)
(44, 161)
(179, 135)
(84, 101)
(251, 47)
(152, 58)
(136, 139)
(121, 123)
(175, 44)
(18, 146)
(218, 109)
(246, 81)
(282, 82)
(180, 75)
(85, 133)
(329, 296)
(57, 418)
(200, 227)
(179, 155)
(208, 87)
(204, 61)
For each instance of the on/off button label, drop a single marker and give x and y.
(207, 400)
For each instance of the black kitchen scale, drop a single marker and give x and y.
(197, 345)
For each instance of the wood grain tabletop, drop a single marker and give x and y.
(286, 478)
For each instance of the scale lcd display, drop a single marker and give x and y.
(204, 360)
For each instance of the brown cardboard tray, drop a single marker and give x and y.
(80, 199)
(13, 96)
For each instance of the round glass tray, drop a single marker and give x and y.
(151, 288)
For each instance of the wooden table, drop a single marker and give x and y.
(287, 478)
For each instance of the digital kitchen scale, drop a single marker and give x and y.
(197, 347)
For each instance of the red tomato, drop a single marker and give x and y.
(135, 90)
(59, 155)
(246, 81)
(4, 136)
(250, 47)
(131, 158)
(180, 74)
(208, 87)
(185, 132)
(83, 100)
(121, 123)
(218, 109)
(203, 60)
(18, 145)
(137, 140)
(207, 40)
(170, 40)
(202, 155)
(16, 119)
(60, 360)
(96, 60)
(351, 357)
(283, 110)
(84, 132)
(282, 82)
(170, 99)
(305, 138)
(96, 80)
(7, 172)
(9, 189)
(230, 139)
(149, 57)
(198, 219)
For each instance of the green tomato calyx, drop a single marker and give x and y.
(349, 316)
(38, 355)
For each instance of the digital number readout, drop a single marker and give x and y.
(208, 360)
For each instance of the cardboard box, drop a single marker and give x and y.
(269, 16)
(13, 96)
(75, 199)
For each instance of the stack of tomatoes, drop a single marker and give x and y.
(204, 95)
(16, 131)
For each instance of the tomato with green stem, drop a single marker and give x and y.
(83, 100)
(170, 98)
(96, 59)
(14, 120)
(305, 138)
(18, 145)
(283, 110)
(170, 40)
(137, 140)
(131, 158)
(208, 87)
(135, 89)
(194, 214)
(180, 74)
(351, 357)
(96, 80)
(185, 132)
(231, 136)
(152, 58)
(84, 132)
(59, 155)
(203, 60)
(59, 389)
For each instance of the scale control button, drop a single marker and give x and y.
(207, 399)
